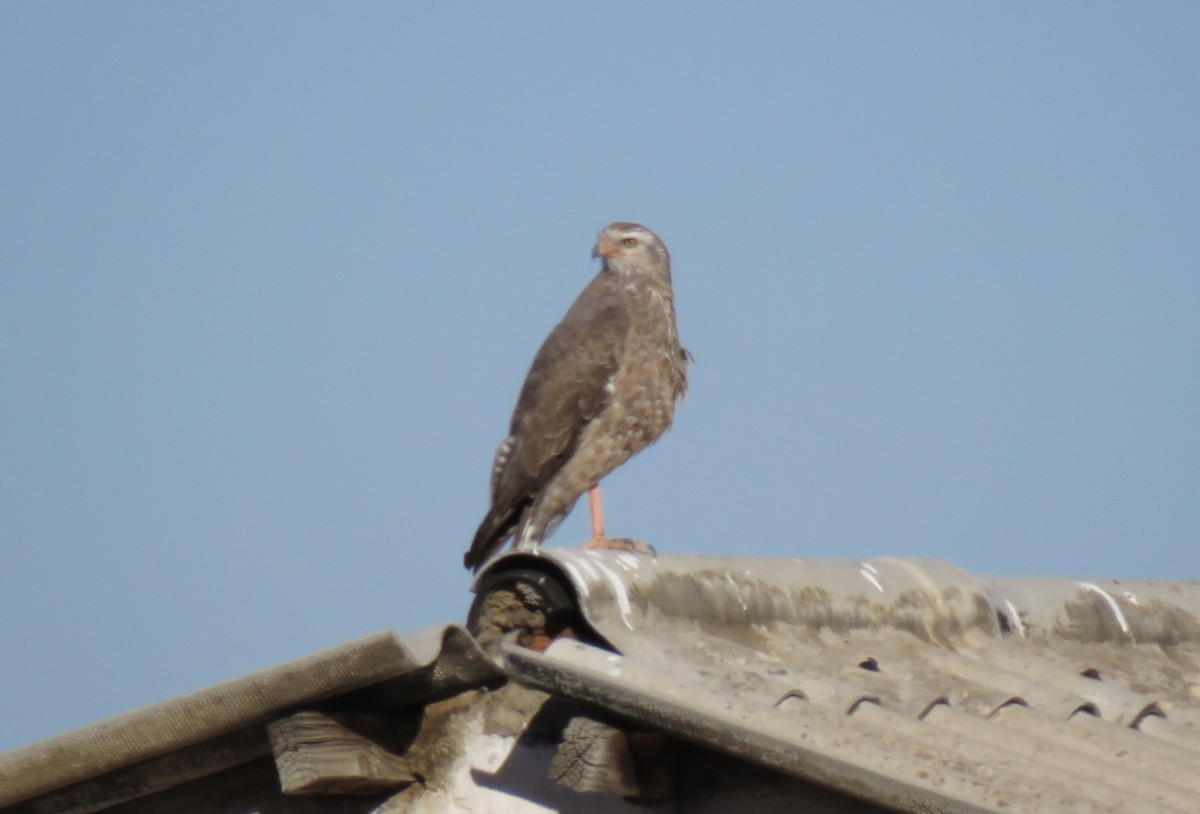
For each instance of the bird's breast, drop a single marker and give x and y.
(649, 377)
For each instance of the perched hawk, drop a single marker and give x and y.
(602, 387)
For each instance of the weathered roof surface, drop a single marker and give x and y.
(206, 731)
(908, 683)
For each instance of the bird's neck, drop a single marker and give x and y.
(658, 280)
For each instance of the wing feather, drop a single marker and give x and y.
(567, 386)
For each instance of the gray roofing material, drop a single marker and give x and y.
(207, 731)
(908, 683)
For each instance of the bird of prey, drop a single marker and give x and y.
(602, 387)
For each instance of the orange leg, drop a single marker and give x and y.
(599, 540)
(597, 516)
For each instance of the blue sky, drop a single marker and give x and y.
(271, 275)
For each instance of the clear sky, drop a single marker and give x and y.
(271, 275)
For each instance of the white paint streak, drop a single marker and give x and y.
(1112, 603)
(870, 575)
(586, 568)
(741, 599)
(618, 588)
(1015, 616)
(629, 561)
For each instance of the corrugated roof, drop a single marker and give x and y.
(909, 683)
(206, 731)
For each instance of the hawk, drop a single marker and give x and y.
(602, 387)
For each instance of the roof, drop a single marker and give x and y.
(207, 731)
(908, 684)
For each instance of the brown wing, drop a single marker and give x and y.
(567, 386)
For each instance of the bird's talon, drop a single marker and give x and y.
(621, 544)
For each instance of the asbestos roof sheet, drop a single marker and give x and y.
(907, 683)
(220, 726)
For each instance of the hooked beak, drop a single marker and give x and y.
(605, 248)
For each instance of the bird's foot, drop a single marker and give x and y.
(621, 544)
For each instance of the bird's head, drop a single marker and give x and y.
(629, 248)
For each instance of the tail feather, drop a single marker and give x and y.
(490, 536)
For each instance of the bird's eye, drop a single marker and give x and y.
(629, 242)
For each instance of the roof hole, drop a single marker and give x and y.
(869, 664)
(791, 695)
(1150, 711)
(1015, 701)
(1090, 672)
(866, 699)
(940, 701)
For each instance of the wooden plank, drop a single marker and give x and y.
(322, 753)
(599, 758)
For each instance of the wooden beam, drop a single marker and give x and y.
(321, 753)
(597, 757)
